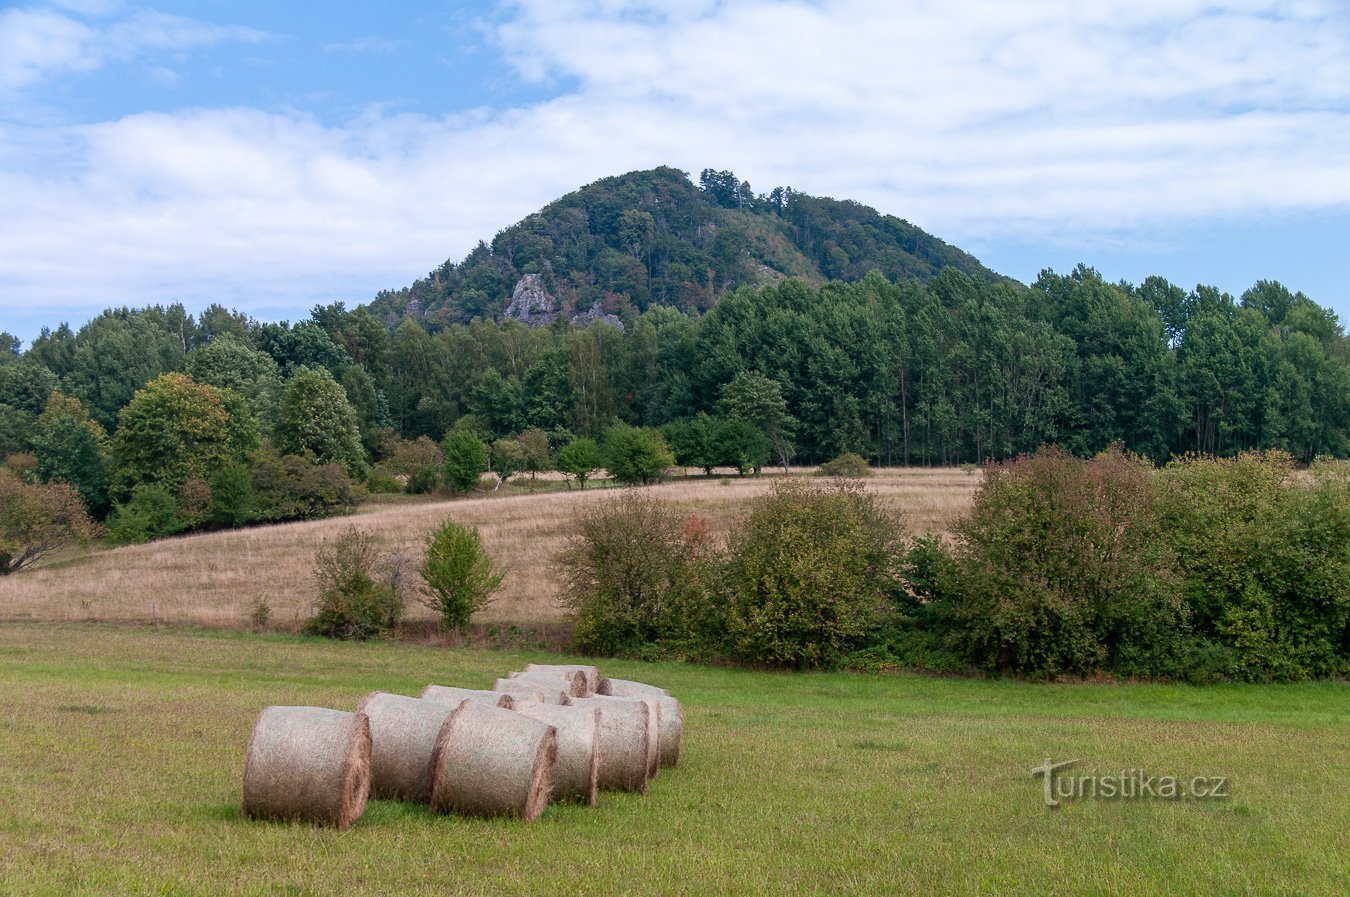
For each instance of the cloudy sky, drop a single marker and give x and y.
(274, 155)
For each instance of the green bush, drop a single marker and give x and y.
(636, 456)
(846, 465)
(358, 598)
(630, 573)
(1061, 568)
(294, 488)
(152, 513)
(466, 460)
(457, 573)
(580, 458)
(811, 573)
(232, 499)
(1264, 555)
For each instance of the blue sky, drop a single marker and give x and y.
(271, 156)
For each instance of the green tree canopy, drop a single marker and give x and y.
(317, 421)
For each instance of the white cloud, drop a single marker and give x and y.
(37, 44)
(972, 118)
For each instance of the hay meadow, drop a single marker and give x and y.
(124, 751)
(129, 684)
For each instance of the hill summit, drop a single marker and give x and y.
(655, 237)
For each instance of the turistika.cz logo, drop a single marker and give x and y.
(1128, 784)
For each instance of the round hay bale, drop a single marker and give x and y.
(403, 734)
(626, 688)
(544, 693)
(672, 730)
(625, 743)
(653, 729)
(448, 694)
(592, 674)
(576, 774)
(308, 763)
(575, 682)
(493, 762)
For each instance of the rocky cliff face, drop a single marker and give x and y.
(532, 306)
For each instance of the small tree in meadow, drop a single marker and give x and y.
(580, 458)
(458, 574)
(466, 459)
(358, 599)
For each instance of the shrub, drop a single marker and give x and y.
(466, 460)
(37, 519)
(636, 456)
(1264, 556)
(294, 488)
(630, 574)
(846, 465)
(811, 572)
(418, 461)
(458, 574)
(1061, 569)
(232, 499)
(580, 458)
(357, 600)
(152, 513)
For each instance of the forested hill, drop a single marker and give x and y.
(654, 238)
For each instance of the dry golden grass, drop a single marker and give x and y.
(213, 578)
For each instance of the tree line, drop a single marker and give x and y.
(229, 420)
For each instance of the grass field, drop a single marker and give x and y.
(122, 752)
(213, 578)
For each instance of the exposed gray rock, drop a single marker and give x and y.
(596, 313)
(531, 304)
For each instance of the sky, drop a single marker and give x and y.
(273, 156)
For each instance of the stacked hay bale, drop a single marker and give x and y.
(446, 694)
(552, 732)
(308, 763)
(403, 734)
(490, 761)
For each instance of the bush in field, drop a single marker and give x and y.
(294, 488)
(846, 465)
(37, 519)
(810, 574)
(580, 458)
(466, 460)
(152, 513)
(458, 575)
(357, 599)
(1264, 555)
(1061, 568)
(628, 573)
(636, 456)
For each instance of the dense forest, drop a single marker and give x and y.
(779, 327)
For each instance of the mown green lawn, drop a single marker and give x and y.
(122, 751)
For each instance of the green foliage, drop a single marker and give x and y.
(233, 502)
(417, 462)
(72, 448)
(630, 573)
(810, 573)
(38, 519)
(1264, 555)
(458, 575)
(293, 488)
(317, 420)
(229, 362)
(358, 598)
(1061, 569)
(466, 460)
(580, 458)
(636, 455)
(505, 458)
(848, 464)
(535, 453)
(175, 428)
(151, 513)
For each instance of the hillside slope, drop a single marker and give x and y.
(655, 238)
